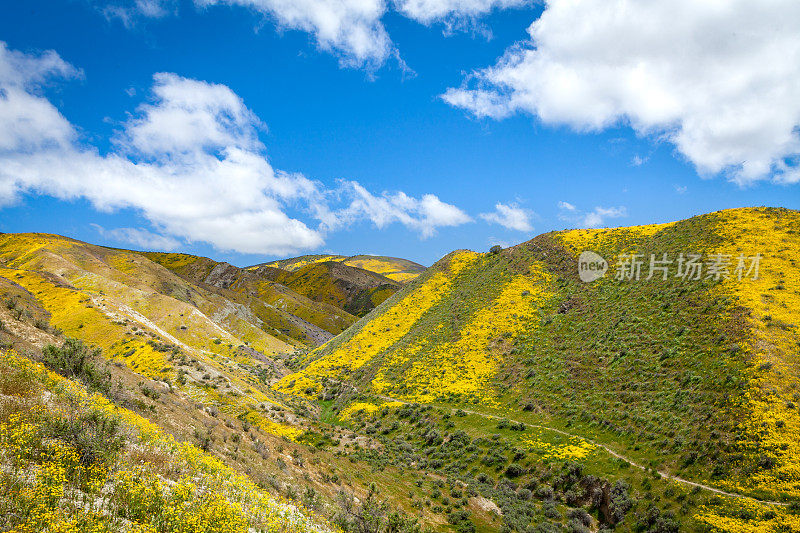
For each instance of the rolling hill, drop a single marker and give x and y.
(167, 358)
(692, 378)
(494, 392)
(291, 313)
(350, 288)
(394, 268)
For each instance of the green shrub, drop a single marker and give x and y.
(96, 435)
(514, 470)
(74, 360)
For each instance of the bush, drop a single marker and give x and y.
(74, 360)
(19, 382)
(575, 526)
(496, 249)
(550, 510)
(581, 516)
(514, 470)
(95, 435)
(620, 501)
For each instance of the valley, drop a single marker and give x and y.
(492, 391)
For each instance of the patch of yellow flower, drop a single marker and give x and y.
(142, 358)
(772, 425)
(762, 518)
(274, 428)
(299, 262)
(71, 310)
(368, 408)
(576, 448)
(579, 240)
(379, 333)
(386, 266)
(48, 484)
(402, 277)
(173, 261)
(466, 366)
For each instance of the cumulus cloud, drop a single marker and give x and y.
(351, 28)
(430, 11)
(129, 11)
(30, 122)
(139, 237)
(717, 79)
(589, 219)
(423, 215)
(510, 216)
(189, 161)
(187, 117)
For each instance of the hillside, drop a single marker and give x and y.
(394, 268)
(692, 378)
(350, 288)
(147, 346)
(97, 467)
(495, 392)
(293, 314)
(192, 359)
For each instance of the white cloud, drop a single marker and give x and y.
(189, 161)
(589, 219)
(638, 160)
(28, 121)
(681, 189)
(139, 237)
(510, 216)
(351, 28)
(596, 218)
(494, 241)
(717, 79)
(129, 11)
(430, 11)
(188, 117)
(423, 215)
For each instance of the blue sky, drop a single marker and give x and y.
(445, 113)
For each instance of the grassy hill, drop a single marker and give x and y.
(394, 268)
(185, 344)
(696, 379)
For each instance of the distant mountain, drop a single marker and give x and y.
(352, 289)
(394, 268)
(291, 313)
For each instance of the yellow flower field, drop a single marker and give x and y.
(465, 366)
(50, 482)
(379, 333)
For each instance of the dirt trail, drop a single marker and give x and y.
(663, 474)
